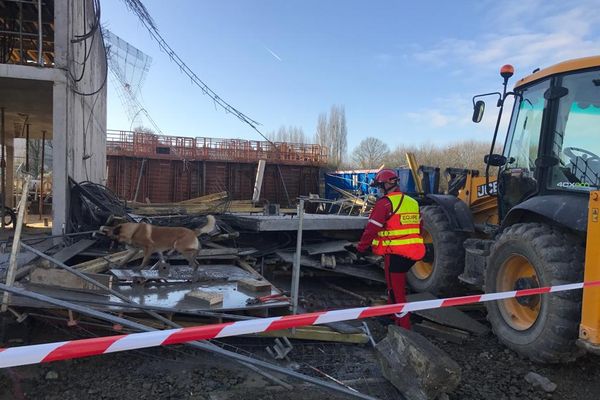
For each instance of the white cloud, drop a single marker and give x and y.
(532, 34)
(526, 33)
(453, 110)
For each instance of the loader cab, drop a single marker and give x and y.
(552, 147)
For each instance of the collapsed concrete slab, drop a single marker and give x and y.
(417, 368)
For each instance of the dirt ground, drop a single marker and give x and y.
(177, 372)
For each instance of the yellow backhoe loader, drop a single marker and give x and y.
(536, 222)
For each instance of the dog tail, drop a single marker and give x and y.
(209, 229)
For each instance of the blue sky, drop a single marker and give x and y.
(405, 72)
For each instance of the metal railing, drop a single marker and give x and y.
(145, 145)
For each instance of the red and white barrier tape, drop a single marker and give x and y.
(24, 355)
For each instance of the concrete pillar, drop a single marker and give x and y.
(60, 204)
(60, 201)
(10, 168)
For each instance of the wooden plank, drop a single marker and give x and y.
(103, 263)
(205, 297)
(12, 266)
(448, 316)
(205, 199)
(253, 285)
(71, 251)
(258, 182)
(244, 265)
(440, 331)
(320, 333)
(66, 280)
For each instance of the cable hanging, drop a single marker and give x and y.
(138, 8)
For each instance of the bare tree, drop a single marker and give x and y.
(322, 134)
(332, 132)
(370, 153)
(290, 134)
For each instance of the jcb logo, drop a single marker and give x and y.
(407, 219)
(482, 192)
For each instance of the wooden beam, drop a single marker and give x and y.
(258, 182)
(253, 285)
(12, 265)
(320, 333)
(206, 199)
(66, 280)
(205, 297)
(103, 263)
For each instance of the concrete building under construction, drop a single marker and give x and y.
(53, 70)
(169, 168)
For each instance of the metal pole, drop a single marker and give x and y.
(296, 268)
(201, 345)
(27, 148)
(3, 163)
(40, 39)
(41, 199)
(14, 251)
(204, 177)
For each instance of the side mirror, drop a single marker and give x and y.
(495, 160)
(478, 110)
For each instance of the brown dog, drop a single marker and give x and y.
(158, 239)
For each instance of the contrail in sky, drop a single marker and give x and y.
(273, 53)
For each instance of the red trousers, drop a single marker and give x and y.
(396, 285)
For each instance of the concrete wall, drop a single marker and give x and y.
(79, 120)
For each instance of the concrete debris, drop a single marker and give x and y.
(540, 382)
(417, 368)
(51, 375)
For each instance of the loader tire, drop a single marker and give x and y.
(543, 328)
(440, 275)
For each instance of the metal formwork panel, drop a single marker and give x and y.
(166, 181)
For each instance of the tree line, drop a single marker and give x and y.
(372, 153)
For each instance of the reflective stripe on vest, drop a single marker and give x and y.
(401, 232)
(399, 242)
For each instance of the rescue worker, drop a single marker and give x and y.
(394, 231)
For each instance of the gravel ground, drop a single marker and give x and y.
(177, 372)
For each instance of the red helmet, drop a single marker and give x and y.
(385, 176)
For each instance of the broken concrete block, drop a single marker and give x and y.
(417, 368)
(254, 285)
(205, 297)
(540, 382)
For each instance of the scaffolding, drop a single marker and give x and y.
(151, 146)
